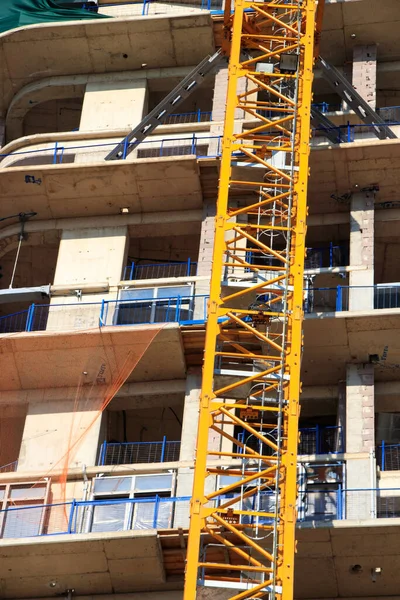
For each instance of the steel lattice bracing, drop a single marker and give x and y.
(243, 510)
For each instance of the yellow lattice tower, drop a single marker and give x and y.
(243, 509)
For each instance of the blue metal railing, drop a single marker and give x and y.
(325, 107)
(79, 516)
(198, 116)
(337, 299)
(211, 5)
(128, 453)
(347, 133)
(319, 502)
(313, 440)
(334, 255)
(388, 456)
(83, 315)
(135, 271)
(194, 145)
(321, 440)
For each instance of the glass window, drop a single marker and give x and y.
(109, 517)
(112, 485)
(153, 483)
(27, 493)
(23, 514)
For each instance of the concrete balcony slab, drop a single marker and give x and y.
(52, 360)
(92, 563)
(145, 185)
(332, 340)
(31, 53)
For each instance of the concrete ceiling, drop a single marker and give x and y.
(100, 46)
(371, 22)
(338, 169)
(331, 343)
(144, 185)
(123, 562)
(326, 555)
(52, 360)
(101, 563)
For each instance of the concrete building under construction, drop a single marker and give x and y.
(105, 262)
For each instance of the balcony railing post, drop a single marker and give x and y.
(29, 319)
(55, 153)
(163, 447)
(155, 517)
(339, 502)
(188, 268)
(126, 144)
(102, 309)
(71, 516)
(132, 270)
(348, 131)
(383, 455)
(103, 452)
(317, 440)
(178, 308)
(339, 291)
(193, 150)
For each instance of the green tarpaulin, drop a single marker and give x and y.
(19, 13)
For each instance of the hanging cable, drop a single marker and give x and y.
(16, 261)
(23, 217)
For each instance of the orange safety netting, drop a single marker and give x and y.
(103, 371)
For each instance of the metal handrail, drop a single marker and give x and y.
(181, 146)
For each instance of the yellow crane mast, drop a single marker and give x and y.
(243, 508)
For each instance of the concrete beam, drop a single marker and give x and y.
(132, 220)
(73, 86)
(143, 390)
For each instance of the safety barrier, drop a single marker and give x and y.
(197, 116)
(351, 133)
(90, 516)
(62, 152)
(337, 299)
(174, 309)
(135, 271)
(85, 315)
(80, 516)
(388, 456)
(320, 440)
(128, 453)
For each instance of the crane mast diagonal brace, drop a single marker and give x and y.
(243, 507)
(166, 107)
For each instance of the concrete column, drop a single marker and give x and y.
(360, 419)
(95, 255)
(219, 107)
(204, 261)
(91, 255)
(54, 427)
(190, 423)
(113, 104)
(190, 419)
(360, 442)
(188, 447)
(362, 251)
(364, 72)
